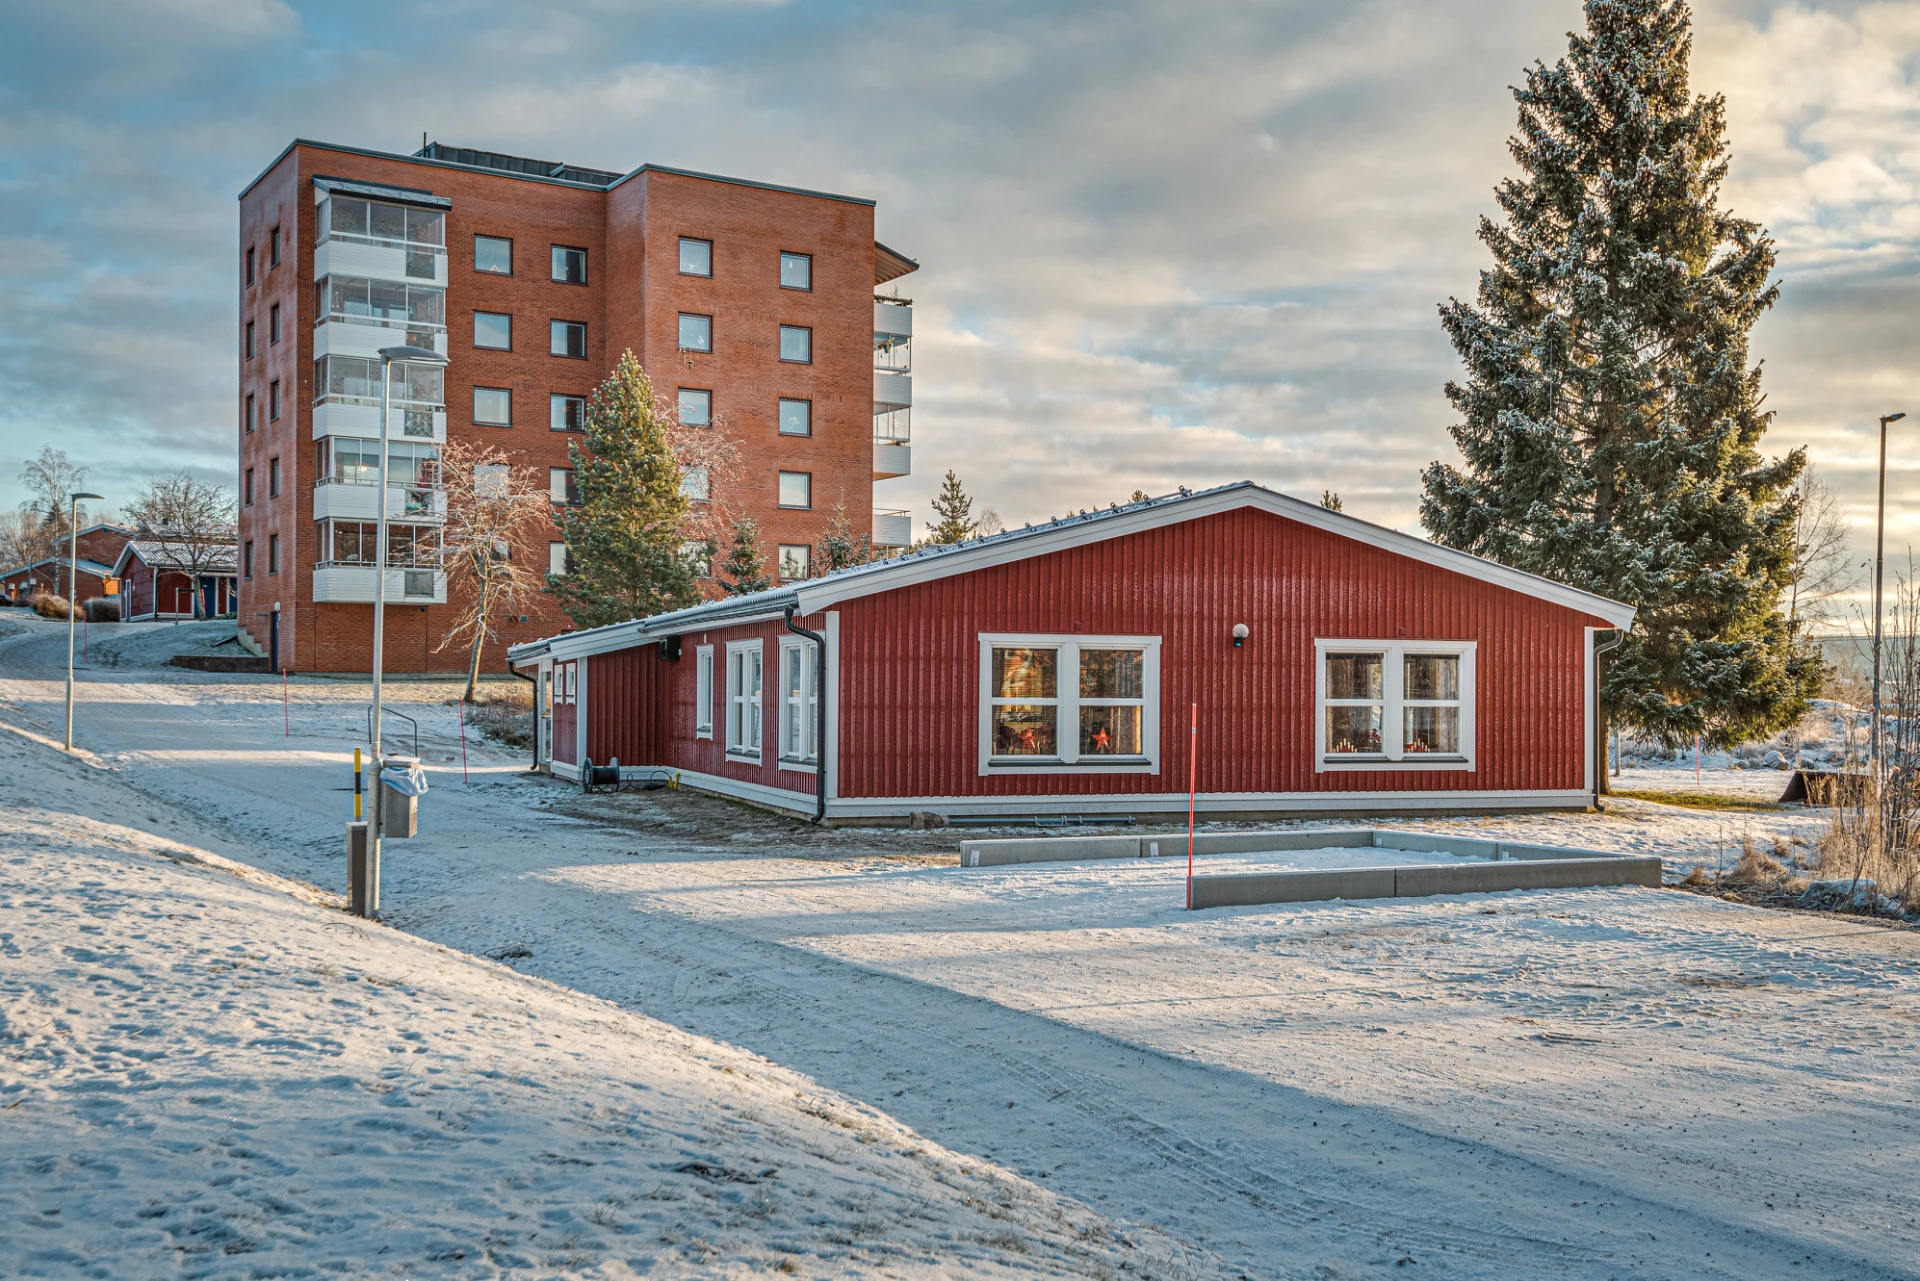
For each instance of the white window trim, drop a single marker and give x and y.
(1069, 762)
(809, 704)
(703, 692)
(1392, 700)
(738, 704)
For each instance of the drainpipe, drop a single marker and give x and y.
(820, 717)
(535, 682)
(1599, 717)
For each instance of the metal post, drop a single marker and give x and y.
(1879, 542)
(73, 573)
(372, 904)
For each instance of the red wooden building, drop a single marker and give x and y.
(1339, 667)
(155, 583)
(99, 546)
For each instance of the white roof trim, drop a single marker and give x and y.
(816, 595)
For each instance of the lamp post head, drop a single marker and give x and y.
(1892, 418)
(96, 497)
(412, 355)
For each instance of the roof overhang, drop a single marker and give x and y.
(382, 191)
(890, 264)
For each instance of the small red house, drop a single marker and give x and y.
(99, 547)
(155, 582)
(1338, 667)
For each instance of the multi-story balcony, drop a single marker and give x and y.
(892, 390)
(336, 582)
(892, 528)
(336, 499)
(892, 444)
(366, 335)
(366, 257)
(362, 419)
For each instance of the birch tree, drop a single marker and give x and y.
(497, 515)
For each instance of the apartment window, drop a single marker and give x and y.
(493, 255)
(696, 407)
(493, 331)
(246, 558)
(569, 338)
(696, 484)
(248, 487)
(696, 332)
(249, 281)
(796, 562)
(273, 401)
(250, 418)
(558, 561)
(743, 699)
(566, 413)
(703, 692)
(699, 556)
(796, 489)
(273, 247)
(273, 324)
(560, 487)
(273, 478)
(248, 347)
(1082, 703)
(273, 553)
(799, 703)
(696, 257)
(569, 265)
(1394, 705)
(491, 480)
(493, 406)
(796, 417)
(796, 271)
(796, 344)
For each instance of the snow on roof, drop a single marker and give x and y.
(939, 560)
(86, 566)
(221, 560)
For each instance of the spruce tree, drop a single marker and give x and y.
(746, 563)
(840, 546)
(955, 510)
(1610, 420)
(1330, 500)
(624, 540)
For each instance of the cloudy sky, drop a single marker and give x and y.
(1173, 242)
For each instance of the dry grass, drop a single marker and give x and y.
(1697, 800)
(503, 713)
(1855, 849)
(47, 605)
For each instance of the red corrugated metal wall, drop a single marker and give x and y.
(624, 698)
(910, 661)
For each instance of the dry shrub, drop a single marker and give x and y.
(1855, 850)
(47, 605)
(503, 713)
(102, 609)
(1756, 870)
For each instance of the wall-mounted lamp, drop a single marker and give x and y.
(1239, 635)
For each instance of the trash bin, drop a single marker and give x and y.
(402, 784)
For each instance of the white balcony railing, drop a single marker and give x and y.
(366, 335)
(352, 416)
(892, 458)
(335, 499)
(338, 582)
(892, 318)
(892, 528)
(366, 257)
(891, 390)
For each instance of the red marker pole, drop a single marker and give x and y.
(1193, 776)
(463, 740)
(286, 716)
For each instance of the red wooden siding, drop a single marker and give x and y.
(910, 680)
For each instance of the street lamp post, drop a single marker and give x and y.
(73, 573)
(1879, 541)
(413, 356)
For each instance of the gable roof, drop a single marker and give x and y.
(86, 566)
(811, 595)
(224, 561)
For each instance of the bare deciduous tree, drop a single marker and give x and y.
(1823, 570)
(189, 524)
(496, 513)
(25, 537)
(36, 532)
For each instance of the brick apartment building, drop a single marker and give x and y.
(747, 303)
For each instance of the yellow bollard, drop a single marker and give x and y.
(356, 785)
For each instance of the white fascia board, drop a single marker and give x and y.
(1382, 803)
(885, 578)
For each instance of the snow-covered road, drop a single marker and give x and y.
(1589, 1083)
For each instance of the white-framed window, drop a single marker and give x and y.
(1069, 704)
(696, 257)
(696, 484)
(1400, 704)
(558, 561)
(743, 699)
(795, 562)
(799, 703)
(703, 692)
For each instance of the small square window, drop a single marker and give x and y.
(558, 561)
(696, 484)
(796, 560)
(273, 324)
(493, 255)
(796, 417)
(492, 331)
(273, 248)
(567, 413)
(796, 489)
(493, 406)
(569, 265)
(273, 401)
(796, 271)
(796, 344)
(696, 407)
(696, 257)
(696, 332)
(569, 338)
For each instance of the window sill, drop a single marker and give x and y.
(565, 355)
(743, 758)
(1433, 761)
(788, 361)
(696, 351)
(1086, 765)
(698, 732)
(799, 767)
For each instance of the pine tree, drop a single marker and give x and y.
(624, 541)
(746, 563)
(1330, 500)
(840, 546)
(1610, 421)
(954, 508)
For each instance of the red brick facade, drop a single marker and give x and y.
(630, 229)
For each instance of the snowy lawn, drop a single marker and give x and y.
(1588, 1083)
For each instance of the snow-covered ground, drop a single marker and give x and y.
(1587, 1083)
